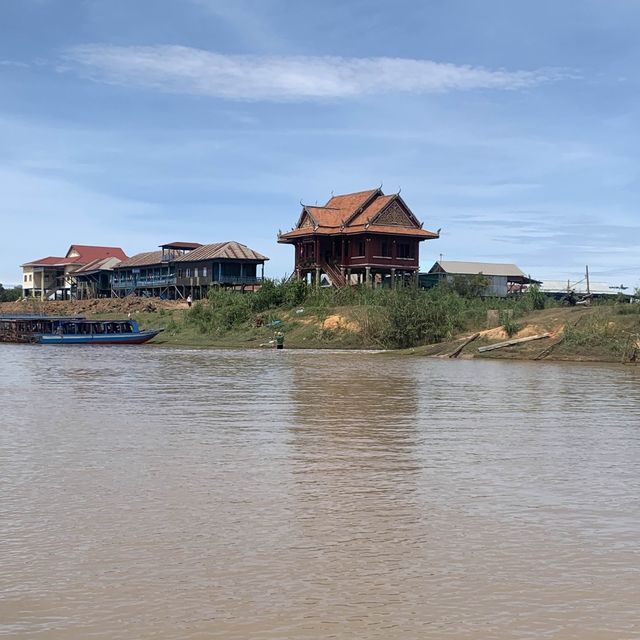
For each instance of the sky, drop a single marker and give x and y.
(511, 125)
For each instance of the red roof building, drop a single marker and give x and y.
(53, 275)
(357, 237)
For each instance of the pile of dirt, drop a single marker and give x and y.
(130, 304)
(340, 323)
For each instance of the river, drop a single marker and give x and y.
(162, 493)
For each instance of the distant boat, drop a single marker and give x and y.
(42, 329)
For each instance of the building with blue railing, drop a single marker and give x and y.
(181, 269)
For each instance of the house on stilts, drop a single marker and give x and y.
(364, 237)
(181, 269)
(58, 276)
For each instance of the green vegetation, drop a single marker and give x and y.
(600, 335)
(10, 295)
(347, 317)
(510, 324)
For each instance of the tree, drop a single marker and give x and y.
(10, 295)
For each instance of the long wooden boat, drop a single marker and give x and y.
(42, 329)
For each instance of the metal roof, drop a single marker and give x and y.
(147, 258)
(230, 250)
(474, 268)
(101, 264)
(180, 245)
(596, 288)
(218, 251)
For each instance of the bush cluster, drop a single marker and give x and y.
(399, 318)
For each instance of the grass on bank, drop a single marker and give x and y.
(355, 317)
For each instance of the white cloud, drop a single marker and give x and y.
(285, 78)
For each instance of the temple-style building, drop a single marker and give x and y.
(364, 237)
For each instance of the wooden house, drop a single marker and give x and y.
(364, 237)
(53, 275)
(93, 280)
(501, 279)
(181, 269)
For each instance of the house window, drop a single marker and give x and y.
(195, 272)
(25, 277)
(385, 251)
(405, 250)
(358, 249)
(180, 273)
(188, 272)
(204, 272)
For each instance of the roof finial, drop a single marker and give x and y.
(399, 190)
(332, 193)
(301, 203)
(380, 187)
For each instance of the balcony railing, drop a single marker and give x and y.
(238, 279)
(161, 281)
(153, 281)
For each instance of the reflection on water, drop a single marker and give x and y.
(167, 493)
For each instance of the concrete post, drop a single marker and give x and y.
(317, 276)
(368, 276)
(393, 277)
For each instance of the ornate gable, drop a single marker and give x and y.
(306, 221)
(394, 215)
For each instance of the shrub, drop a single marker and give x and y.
(533, 299)
(510, 324)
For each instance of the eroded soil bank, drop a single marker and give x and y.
(609, 333)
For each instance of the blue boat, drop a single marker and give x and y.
(42, 329)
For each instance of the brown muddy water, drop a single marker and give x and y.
(172, 493)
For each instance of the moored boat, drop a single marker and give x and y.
(42, 329)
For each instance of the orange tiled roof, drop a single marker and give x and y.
(355, 213)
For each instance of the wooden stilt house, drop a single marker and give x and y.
(364, 237)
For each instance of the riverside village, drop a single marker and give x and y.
(355, 260)
(319, 320)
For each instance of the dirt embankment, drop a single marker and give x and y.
(595, 334)
(124, 306)
(578, 334)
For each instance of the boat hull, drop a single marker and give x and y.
(93, 339)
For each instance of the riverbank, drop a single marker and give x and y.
(607, 333)
(601, 333)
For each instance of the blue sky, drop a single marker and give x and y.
(511, 125)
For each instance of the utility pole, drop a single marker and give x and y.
(587, 275)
